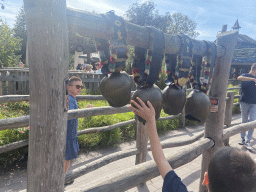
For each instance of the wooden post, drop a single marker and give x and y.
(182, 119)
(4, 91)
(141, 142)
(228, 113)
(48, 57)
(215, 121)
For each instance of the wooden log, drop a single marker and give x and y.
(131, 177)
(228, 113)
(15, 145)
(14, 98)
(229, 132)
(100, 163)
(96, 111)
(105, 128)
(89, 97)
(141, 142)
(168, 117)
(48, 57)
(89, 24)
(232, 88)
(4, 90)
(72, 114)
(15, 122)
(180, 142)
(215, 121)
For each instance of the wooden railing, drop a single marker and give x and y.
(193, 148)
(140, 173)
(16, 80)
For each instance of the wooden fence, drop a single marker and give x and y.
(15, 80)
(140, 173)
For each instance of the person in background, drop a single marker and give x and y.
(74, 88)
(248, 103)
(98, 68)
(88, 68)
(230, 169)
(79, 66)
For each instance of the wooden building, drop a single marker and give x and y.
(244, 53)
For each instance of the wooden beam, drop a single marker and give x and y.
(88, 24)
(96, 111)
(229, 132)
(14, 98)
(214, 123)
(48, 58)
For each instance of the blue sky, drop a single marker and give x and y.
(209, 15)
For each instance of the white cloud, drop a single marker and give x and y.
(11, 10)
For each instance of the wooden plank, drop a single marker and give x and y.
(48, 58)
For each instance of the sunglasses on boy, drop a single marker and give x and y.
(78, 86)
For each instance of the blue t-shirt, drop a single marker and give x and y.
(72, 123)
(248, 90)
(173, 183)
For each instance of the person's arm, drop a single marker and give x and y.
(244, 78)
(148, 113)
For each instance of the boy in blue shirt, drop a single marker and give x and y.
(74, 88)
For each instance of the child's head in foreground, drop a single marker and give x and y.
(232, 170)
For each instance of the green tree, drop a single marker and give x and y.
(182, 23)
(20, 31)
(146, 14)
(9, 44)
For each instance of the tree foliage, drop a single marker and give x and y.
(9, 44)
(20, 31)
(145, 14)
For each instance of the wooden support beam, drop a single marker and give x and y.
(48, 58)
(88, 24)
(214, 123)
(228, 113)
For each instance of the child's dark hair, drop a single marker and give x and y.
(233, 170)
(73, 79)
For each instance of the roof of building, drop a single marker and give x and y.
(236, 25)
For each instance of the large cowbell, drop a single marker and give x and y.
(173, 100)
(152, 94)
(198, 106)
(116, 89)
